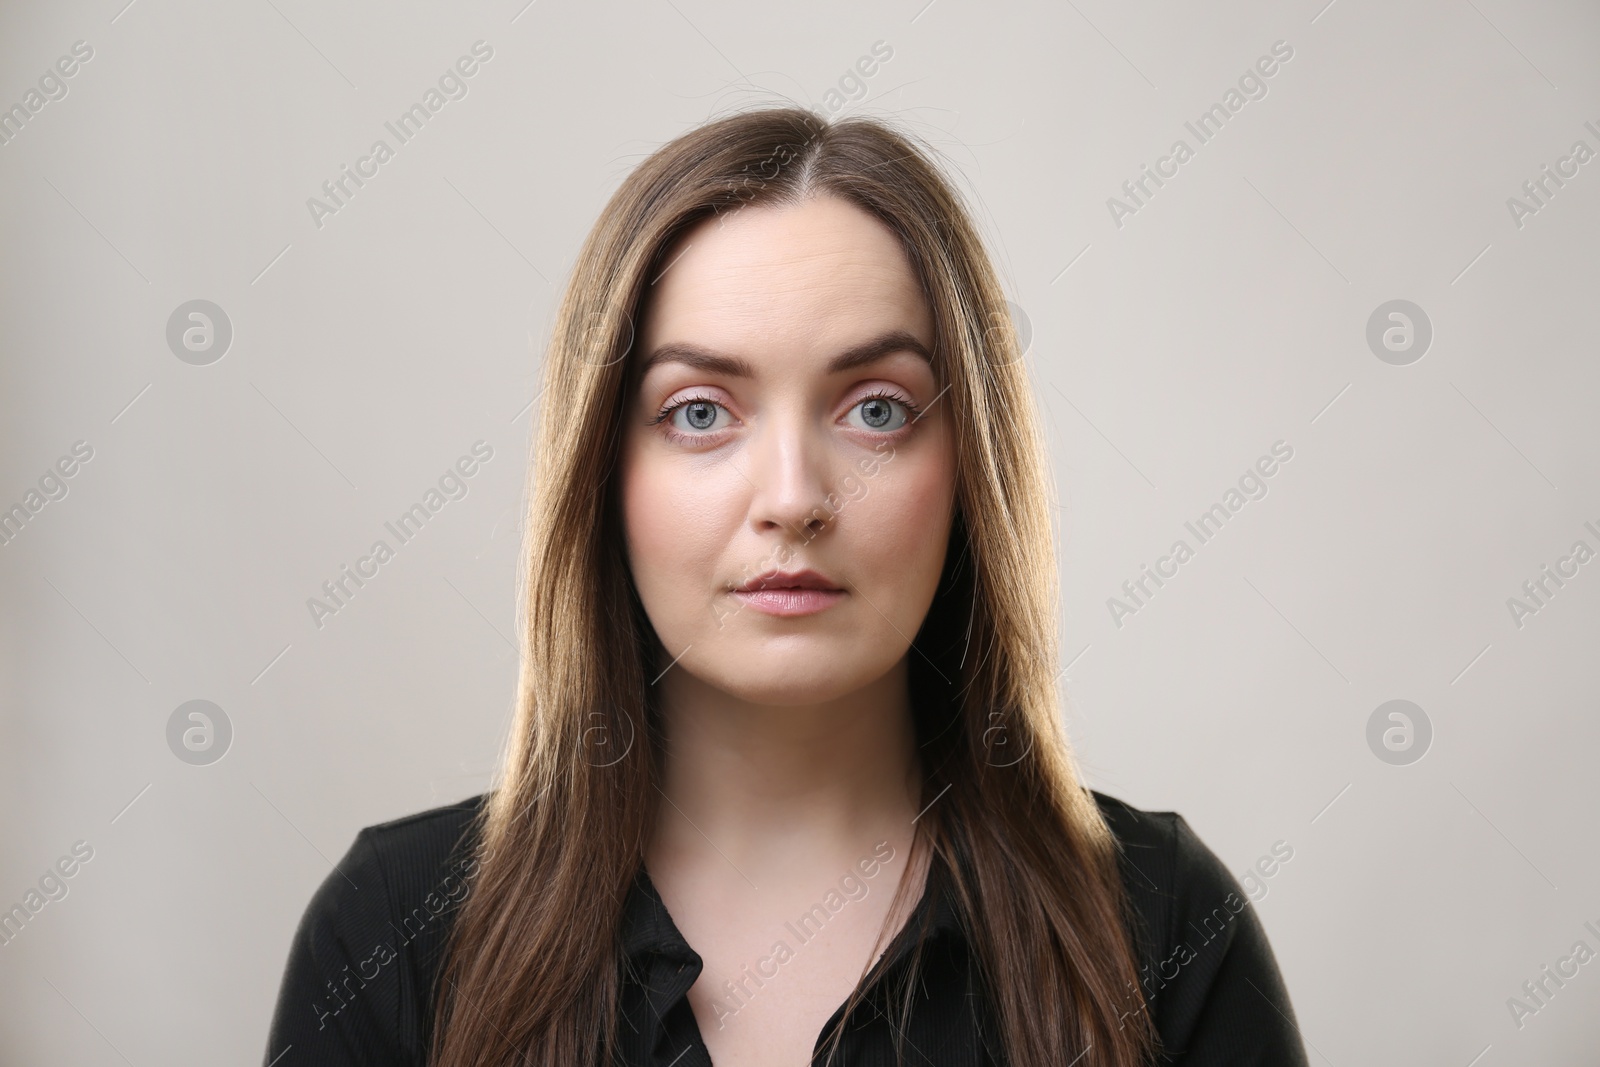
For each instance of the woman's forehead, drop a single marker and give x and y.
(785, 269)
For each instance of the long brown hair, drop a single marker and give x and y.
(533, 967)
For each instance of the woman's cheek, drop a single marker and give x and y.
(677, 537)
(905, 504)
(915, 537)
(648, 515)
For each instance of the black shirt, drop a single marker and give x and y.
(358, 987)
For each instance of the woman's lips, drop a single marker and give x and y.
(788, 602)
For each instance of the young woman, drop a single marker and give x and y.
(787, 782)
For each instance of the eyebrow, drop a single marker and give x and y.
(734, 367)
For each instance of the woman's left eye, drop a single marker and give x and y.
(877, 411)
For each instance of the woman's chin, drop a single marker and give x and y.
(787, 681)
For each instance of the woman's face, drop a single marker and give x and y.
(787, 419)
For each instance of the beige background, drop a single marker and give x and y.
(1228, 313)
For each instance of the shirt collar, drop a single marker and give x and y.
(648, 929)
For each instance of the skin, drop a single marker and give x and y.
(790, 748)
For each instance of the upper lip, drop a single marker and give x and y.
(806, 579)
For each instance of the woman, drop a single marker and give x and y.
(787, 781)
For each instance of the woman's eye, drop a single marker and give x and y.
(878, 413)
(696, 416)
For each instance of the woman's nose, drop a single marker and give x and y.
(789, 473)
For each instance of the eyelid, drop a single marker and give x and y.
(689, 395)
(893, 392)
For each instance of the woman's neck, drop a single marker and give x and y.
(770, 786)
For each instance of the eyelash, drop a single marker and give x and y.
(880, 394)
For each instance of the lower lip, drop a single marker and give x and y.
(789, 601)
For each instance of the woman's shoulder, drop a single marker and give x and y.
(409, 874)
(1206, 967)
(1162, 857)
(424, 840)
(1171, 876)
(419, 859)
(363, 959)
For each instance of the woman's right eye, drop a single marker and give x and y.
(699, 417)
